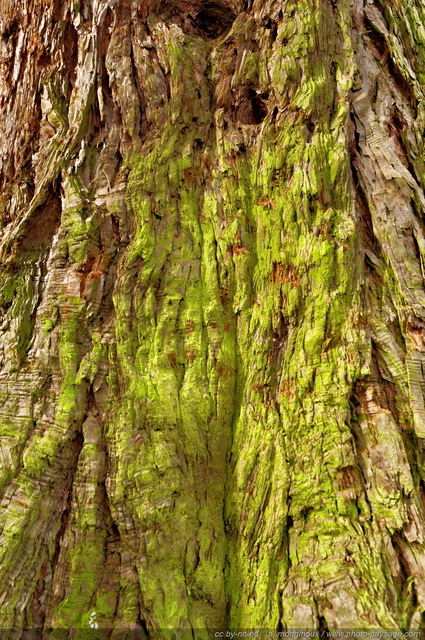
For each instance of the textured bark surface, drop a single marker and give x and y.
(212, 351)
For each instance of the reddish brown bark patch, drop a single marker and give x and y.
(286, 274)
(223, 371)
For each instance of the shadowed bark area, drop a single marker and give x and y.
(212, 332)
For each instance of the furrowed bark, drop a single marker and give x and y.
(212, 315)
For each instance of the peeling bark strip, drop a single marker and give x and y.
(212, 314)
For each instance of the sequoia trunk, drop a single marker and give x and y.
(212, 314)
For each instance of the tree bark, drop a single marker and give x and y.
(212, 314)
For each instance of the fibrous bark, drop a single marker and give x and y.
(212, 314)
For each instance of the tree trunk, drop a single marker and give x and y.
(212, 314)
